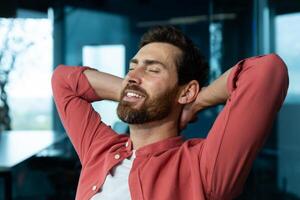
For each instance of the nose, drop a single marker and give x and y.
(135, 76)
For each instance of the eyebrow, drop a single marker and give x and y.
(148, 62)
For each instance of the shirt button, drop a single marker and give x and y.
(117, 156)
(94, 187)
(126, 144)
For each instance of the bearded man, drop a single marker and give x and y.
(162, 92)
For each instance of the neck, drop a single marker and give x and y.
(144, 134)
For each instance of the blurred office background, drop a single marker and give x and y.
(36, 36)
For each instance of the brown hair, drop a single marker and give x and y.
(191, 64)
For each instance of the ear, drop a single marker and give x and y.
(189, 92)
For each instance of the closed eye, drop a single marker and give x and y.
(153, 69)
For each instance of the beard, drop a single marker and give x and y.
(151, 109)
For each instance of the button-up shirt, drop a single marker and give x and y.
(214, 167)
(118, 176)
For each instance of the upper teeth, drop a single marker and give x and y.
(131, 94)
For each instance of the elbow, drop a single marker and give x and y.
(274, 78)
(57, 76)
(57, 73)
(278, 70)
(274, 65)
(272, 69)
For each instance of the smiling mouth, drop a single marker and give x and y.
(133, 96)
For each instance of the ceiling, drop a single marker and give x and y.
(146, 9)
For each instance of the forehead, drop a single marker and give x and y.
(163, 52)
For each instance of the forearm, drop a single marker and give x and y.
(215, 93)
(106, 86)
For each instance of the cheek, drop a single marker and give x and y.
(155, 86)
(159, 89)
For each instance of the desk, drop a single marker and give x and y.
(18, 146)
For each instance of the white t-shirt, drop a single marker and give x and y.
(116, 182)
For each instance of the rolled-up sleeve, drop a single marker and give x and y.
(257, 88)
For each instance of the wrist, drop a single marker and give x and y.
(202, 101)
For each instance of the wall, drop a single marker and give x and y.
(288, 149)
(85, 27)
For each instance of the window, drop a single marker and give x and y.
(109, 59)
(287, 46)
(26, 49)
(288, 164)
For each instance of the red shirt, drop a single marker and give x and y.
(214, 167)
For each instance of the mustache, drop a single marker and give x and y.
(135, 88)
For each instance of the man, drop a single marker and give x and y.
(161, 93)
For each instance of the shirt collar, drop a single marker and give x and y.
(156, 147)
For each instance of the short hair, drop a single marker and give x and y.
(191, 65)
